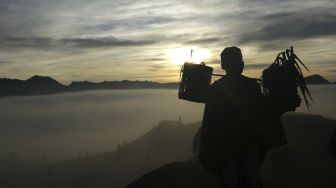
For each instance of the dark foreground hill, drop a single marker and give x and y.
(178, 174)
(163, 158)
(304, 162)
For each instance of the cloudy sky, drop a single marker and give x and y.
(145, 39)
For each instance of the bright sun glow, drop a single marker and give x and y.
(179, 56)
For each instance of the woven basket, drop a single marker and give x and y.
(195, 80)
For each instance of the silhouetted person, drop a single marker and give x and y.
(239, 125)
(180, 120)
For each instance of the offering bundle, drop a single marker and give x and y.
(281, 80)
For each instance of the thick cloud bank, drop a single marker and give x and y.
(58, 126)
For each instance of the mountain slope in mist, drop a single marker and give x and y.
(304, 162)
(167, 142)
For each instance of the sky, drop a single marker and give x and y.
(75, 40)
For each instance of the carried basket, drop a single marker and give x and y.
(195, 80)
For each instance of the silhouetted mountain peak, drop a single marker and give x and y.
(42, 80)
(316, 79)
(76, 84)
(36, 77)
(36, 85)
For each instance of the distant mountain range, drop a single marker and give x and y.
(41, 85)
(316, 79)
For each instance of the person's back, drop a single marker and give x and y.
(236, 127)
(230, 119)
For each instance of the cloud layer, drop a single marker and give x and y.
(59, 125)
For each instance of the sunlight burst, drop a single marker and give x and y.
(178, 56)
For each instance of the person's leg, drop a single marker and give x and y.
(230, 175)
(251, 169)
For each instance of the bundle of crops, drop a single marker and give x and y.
(282, 78)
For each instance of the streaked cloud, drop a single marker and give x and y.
(34, 42)
(297, 25)
(102, 40)
(205, 41)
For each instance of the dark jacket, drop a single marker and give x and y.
(236, 117)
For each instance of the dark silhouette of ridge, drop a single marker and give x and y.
(316, 79)
(41, 85)
(32, 86)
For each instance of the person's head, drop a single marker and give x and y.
(232, 60)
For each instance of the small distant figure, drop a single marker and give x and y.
(239, 126)
(180, 120)
(119, 146)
